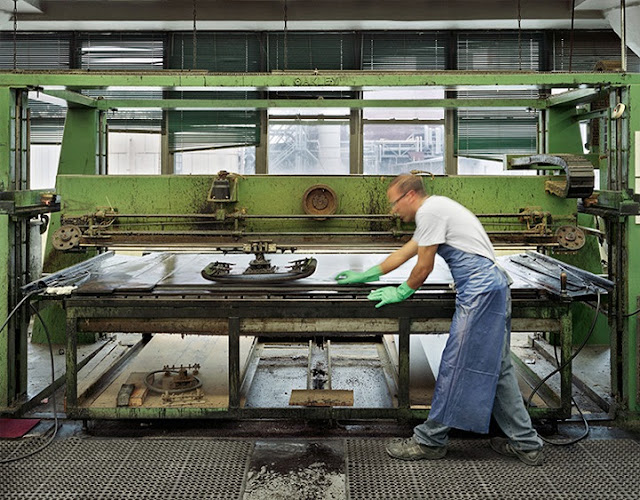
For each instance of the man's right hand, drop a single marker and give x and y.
(348, 277)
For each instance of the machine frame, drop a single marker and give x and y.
(559, 115)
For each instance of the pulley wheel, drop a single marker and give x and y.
(319, 200)
(66, 237)
(570, 237)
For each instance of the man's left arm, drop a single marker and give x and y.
(419, 273)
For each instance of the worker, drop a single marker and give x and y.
(476, 378)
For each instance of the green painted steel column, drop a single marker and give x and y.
(83, 148)
(562, 135)
(632, 255)
(14, 245)
(80, 142)
(7, 110)
(356, 142)
(5, 338)
(563, 131)
(566, 336)
(79, 154)
(7, 103)
(262, 149)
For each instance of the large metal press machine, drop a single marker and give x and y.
(229, 279)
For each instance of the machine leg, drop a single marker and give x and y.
(566, 337)
(403, 362)
(72, 363)
(234, 363)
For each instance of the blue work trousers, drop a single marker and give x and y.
(508, 411)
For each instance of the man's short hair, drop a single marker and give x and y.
(408, 182)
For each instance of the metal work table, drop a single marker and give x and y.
(164, 293)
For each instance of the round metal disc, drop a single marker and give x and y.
(319, 200)
(66, 237)
(570, 237)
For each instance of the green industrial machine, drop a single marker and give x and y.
(554, 212)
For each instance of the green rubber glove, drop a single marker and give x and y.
(348, 277)
(391, 294)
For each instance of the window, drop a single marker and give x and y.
(398, 140)
(309, 141)
(43, 166)
(311, 147)
(237, 160)
(134, 153)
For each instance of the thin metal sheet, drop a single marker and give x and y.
(189, 267)
(139, 274)
(545, 272)
(164, 271)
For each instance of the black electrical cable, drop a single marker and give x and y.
(631, 313)
(53, 395)
(584, 420)
(560, 368)
(22, 301)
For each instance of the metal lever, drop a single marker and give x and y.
(563, 283)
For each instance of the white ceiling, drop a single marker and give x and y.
(269, 15)
(62, 15)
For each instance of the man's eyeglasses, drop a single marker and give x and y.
(394, 203)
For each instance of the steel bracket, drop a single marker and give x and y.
(28, 203)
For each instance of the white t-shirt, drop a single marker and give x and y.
(441, 220)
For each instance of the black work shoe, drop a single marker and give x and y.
(410, 449)
(531, 457)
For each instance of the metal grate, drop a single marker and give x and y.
(149, 469)
(591, 469)
(127, 468)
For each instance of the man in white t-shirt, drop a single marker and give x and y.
(476, 378)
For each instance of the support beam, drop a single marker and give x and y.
(23, 6)
(250, 104)
(73, 98)
(575, 97)
(318, 80)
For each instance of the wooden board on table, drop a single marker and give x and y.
(321, 397)
(140, 390)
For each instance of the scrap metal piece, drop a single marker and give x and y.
(124, 394)
(321, 397)
(66, 237)
(297, 270)
(570, 237)
(579, 182)
(185, 399)
(215, 269)
(181, 382)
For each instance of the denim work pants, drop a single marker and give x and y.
(508, 411)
